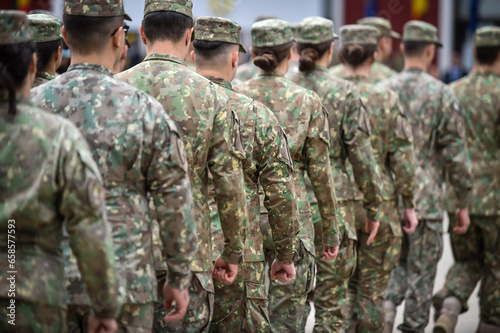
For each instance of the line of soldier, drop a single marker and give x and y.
(167, 192)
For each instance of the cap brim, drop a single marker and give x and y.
(394, 34)
(126, 17)
(242, 49)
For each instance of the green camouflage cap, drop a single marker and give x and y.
(383, 26)
(358, 34)
(41, 11)
(419, 31)
(14, 27)
(95, 8)
(44, 28)
(179, 6)
(273, 32)
(487, 36)
(314, 30)
(218, 29)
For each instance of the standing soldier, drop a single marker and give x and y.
(141, 158)
(210, 130)
(385, 34)
(304, 119)
(393, 148)
(242, 306)
(48, 180)
(349, 141)
(439, 141)
(46, 31)
(477, 252)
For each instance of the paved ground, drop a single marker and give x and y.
(467, 323)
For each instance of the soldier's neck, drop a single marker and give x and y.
(416, 63)
(178, 50)
(214, 72)
(495, 68)
(105, 60)
(362, 70)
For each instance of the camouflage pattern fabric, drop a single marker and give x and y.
(314, 30)
(78, 317)
(420, 31)
(379, 72)
(245, 72)
(487, 36)
(140, 155)
(184, 7)
(383, 26)
(218, 29)
(271, 32)
(33, 317)
(49, 179)
(45, 28)
(136, 318)
(357, 34)
(96, 8)
(14, 27)
(41, 78)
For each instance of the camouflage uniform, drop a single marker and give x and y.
(48, 179)
(439, 142)
(249, 71)
(349, 141)
(477, 252)
(242, 306)
(211, 135)
(303, 118)
(44, 28)
(141, 158)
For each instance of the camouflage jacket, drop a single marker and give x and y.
(438, 138)
(267, 161)
(380, 72)
(41, 78)
(249, 71)
(391, 140)
(210, 132)
(302, 116)
(49, 179)
(479, 97)
(141, 156)
(349, 137)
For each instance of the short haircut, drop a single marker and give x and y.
(161, 26)
(415, 49)
(45, 51)
(90, 34)
(487, 55)
(211, 52)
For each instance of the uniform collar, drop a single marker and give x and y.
(88, 66)
(275, 73)
(165, 57)
(45, 75)
(414, 70)
(220, 81)
(481, 72)
(357, 78)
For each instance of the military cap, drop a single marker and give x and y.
(383, 26)
(179, 6)
(95, 8)
(273, 32)
(487, 36)
(419, 31)
(358, 34)
(314, 30)
(41, 11)
(14, 27)
(44, 28)
(218, 29)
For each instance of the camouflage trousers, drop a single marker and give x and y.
(477, 257)
(31, 317)
(200, 309)
(330, 292)
(242, 305)
(413, 278)
(134, 318)
(365, 298)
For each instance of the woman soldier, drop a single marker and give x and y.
(303, 118)
(349, 142)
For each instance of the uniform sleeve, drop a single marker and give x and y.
(356, 138)
(170, 190)
(276, 178)
(225, 156)
(450, 139)
(401, 154)
(83, 206)
(318, 169)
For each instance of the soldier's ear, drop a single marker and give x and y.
(65, 36)
(192, 57)
(251, 53)
(189, 33)
(402, 48)
(234, 58)
(143, 35)
(330, 50)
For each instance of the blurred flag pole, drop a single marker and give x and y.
(474, 15)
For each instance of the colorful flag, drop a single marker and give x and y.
(24, 5)
(419, 8)
(371, 8)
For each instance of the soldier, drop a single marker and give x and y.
(439, 141)
(48, 180)
(211, 135)
(242, 306)
(301, 114)
(385, 35)
(349, 141)
(46, 30)
(393, 148)
(477, 252)
(141, 158)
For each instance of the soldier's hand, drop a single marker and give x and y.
(463, 221)
(372, 228)
(330, 253)
(97, 325)
(181, 298)
(411, 221)
(284, 272)
(223, 271)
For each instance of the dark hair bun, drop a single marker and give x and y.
(266, 60)
(308, 58)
